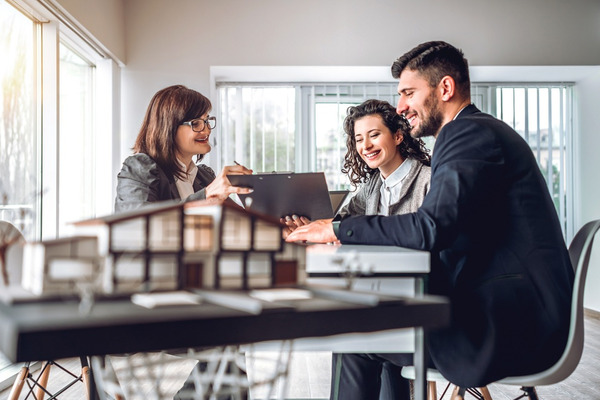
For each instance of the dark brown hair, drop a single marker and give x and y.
(354, 166)
(434, 60)
(168, 108)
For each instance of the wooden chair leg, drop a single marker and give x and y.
(485, 393)
(431, 390)
(458, 393)
(85, 377)
(15, 391)
(43, 381)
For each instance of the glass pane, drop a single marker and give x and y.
(19, 194)
(331, 143)
(258, 128)
(76, 156)
(539, 114)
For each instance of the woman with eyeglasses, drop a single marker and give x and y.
(176, 128)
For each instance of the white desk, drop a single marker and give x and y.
(384, 269)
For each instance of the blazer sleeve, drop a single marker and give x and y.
(204, 177)
(140, 182)
(466, 165)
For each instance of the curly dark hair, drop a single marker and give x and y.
(354, 166)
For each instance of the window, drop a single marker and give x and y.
(19, 193)
(76, 172)
(54, 81)
(542, 114)
(260, 126)
(270, 127)
(291, 128)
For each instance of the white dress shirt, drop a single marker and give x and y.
(391, 186)
(186, 187)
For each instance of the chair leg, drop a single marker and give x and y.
(431, 390)
(43, 381)
(15, 392)
(485, 393)
(85, 376)
(458, 393)
(530, 392)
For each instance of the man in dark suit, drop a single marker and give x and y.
(490, 225)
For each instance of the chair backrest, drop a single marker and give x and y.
(579, 252)
(11, 249)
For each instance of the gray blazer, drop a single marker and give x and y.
(141, 181)
(414, 189)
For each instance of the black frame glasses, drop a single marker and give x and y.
(198, 124)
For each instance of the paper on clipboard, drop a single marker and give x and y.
(281, 194)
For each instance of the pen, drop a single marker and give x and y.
(237, 163)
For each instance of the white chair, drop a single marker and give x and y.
(11, 260)
(11, 254)
(579, 252)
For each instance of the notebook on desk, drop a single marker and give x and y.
(281, 194)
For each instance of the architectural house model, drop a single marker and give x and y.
(172, 245)
(56, 266)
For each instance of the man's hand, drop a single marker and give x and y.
(292, 223)
(319, 231)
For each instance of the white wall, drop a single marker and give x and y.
(172, 42)
(164, 42)
(587, 163)
(104, 20)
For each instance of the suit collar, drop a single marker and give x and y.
(468, 110)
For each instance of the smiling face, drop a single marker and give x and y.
(420, 104)
(377, 145)
(190, 143)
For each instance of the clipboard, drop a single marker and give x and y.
(285, 193)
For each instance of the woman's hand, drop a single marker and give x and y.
(221, 188)
(293, 222)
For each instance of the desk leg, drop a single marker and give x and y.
(420, 359)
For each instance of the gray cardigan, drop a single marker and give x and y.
(414, 189)
(141, 182)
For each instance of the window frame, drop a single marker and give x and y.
(480, 76)
(52, 27)
(55, 28)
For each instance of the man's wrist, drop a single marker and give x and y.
(336, 228)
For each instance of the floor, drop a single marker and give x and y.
(309, 377)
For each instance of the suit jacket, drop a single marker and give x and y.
(497, 252)
(413, 191)
(141, 181)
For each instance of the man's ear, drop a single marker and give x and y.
(447, 87)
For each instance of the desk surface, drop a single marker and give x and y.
(56, 329)
(370, 260)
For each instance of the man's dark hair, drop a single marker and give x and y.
(354, 166)
(434, 60)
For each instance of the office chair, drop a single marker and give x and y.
(580, 250)
(11, 258)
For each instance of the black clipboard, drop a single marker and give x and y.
(283, 193)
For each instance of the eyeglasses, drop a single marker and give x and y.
(199, 124)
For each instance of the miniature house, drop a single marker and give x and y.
(60, 265)
(203, 244)
(245, 248)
